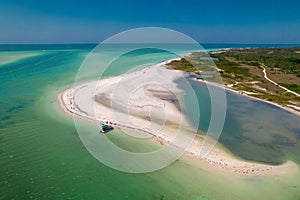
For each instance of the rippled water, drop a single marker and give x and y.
(42, 157)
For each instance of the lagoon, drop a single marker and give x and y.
(43, 157)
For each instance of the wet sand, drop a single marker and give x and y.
(117, 101)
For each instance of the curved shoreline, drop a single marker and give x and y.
(217, 159)
(289, 108)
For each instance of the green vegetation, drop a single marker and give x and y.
(287, 60)
(230, 67)
(293, 87)
(243, 69)
(183, 65)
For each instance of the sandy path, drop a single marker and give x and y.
(273, 82)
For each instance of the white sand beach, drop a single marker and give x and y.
(147, 101)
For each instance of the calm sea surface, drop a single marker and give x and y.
(42, 157)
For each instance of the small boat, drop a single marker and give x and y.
(106, 128)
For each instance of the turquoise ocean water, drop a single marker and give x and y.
(42, 157)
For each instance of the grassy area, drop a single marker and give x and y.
(231, 67)
(183, 65)
(242, 68)
(293, 87)
(286, 60)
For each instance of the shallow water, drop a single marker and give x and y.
(42, 156)
(253, 130)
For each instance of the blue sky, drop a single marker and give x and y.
(209, 21)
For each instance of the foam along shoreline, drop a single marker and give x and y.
(92, 100)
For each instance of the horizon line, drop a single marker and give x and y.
(95, 43)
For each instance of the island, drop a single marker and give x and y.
(116, 101)
(268, 74)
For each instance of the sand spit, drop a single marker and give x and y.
(147, 101)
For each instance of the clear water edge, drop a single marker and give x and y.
(42, 157)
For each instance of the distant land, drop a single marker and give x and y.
(269, 74)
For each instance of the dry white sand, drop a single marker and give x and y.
(145, 101)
